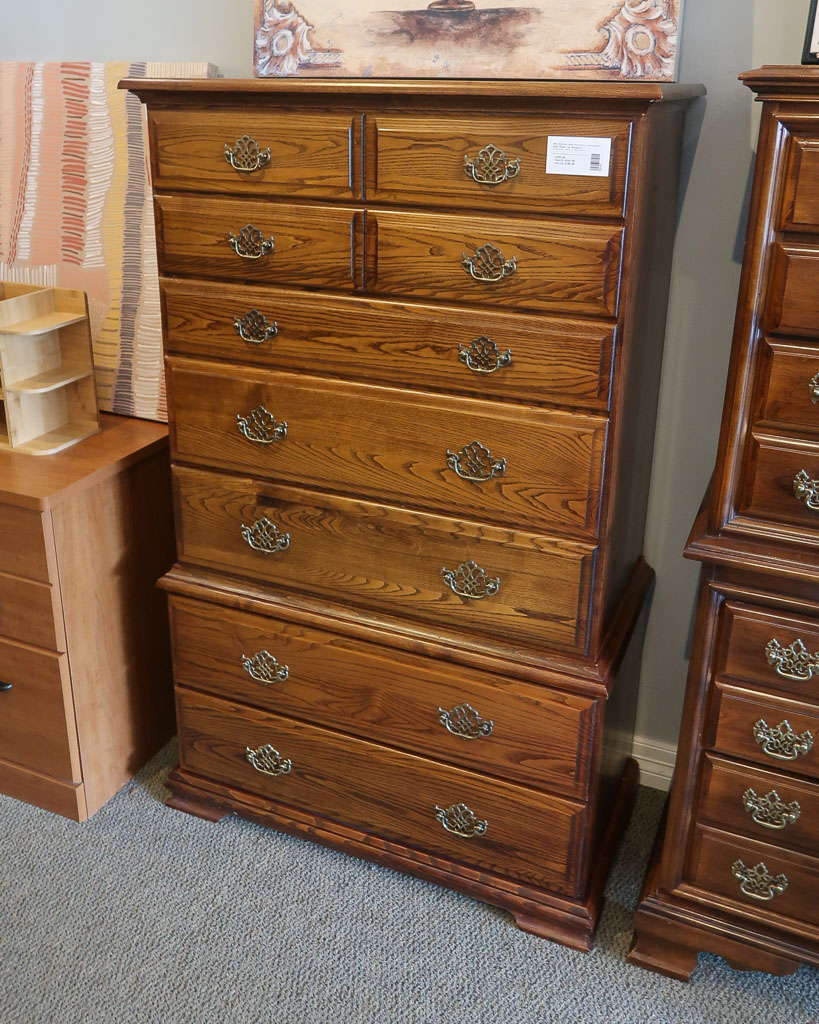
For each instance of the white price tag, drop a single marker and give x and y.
(577, 154)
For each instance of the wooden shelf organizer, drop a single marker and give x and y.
(48, 398)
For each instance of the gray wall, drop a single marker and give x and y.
(720, 38)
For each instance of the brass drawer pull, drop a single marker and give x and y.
(459, 820)
(253, 327)
(474, 462)
(758, 882)
(782, 742)
(464, 721)
(770, 811)
(491, 166)
(268, 760)
(246, 155)
(4, 687)
(792, 662)
(264, 668)
(488, 264)
(250, 243)
(806, 490)
(260, 426)
(813, 388)
(264, 536)
(470, 580)
(483, 355)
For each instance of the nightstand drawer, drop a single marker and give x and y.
(449, 572)
(507, 829)
(512, 730)
(485, 354)
(548, 266)
(31, 612)
(308, 246)
(794, 303)
(23, 545)
(269, 153)
(37, 727)
(523, 467)
(499, 162)
(789, 384)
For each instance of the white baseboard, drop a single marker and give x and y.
(656, 761)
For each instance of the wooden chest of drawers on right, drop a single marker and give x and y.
(736, 869)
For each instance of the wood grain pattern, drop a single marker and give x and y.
(540, 737)
(418, 158)
(553, 361)
(784, 396)
(383, 791)
(31, 612)
(311, 155)
(393, 446)
(386, 558)
(313, 244)
(561, 267)
(25, 549)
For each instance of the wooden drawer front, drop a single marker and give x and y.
(777, 468)
(313, 245)
(789, 384)
(716, 856)
(23, 550)
(525, 359)
(794, 303)
(36, 722)
(31, 612)
(515, 731)
(559, 266)
(777, 733)
(772, 649)
(453, 159)
(388, 558)
(536, 468)
(528, 836)
(800, 197)
(766, 805)
(310, 153)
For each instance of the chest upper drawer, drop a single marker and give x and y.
(518, 466)
(23, 543)
(788, 390)
(434, 348)
(565, 164)
(549, 266)
(277, 152)
(780, 484)
(793, 307)
(274, 243)
(799, 210)
(450, 572)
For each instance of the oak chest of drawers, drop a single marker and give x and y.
(413, 337)
(736, 869)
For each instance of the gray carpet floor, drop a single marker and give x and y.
(145, 915)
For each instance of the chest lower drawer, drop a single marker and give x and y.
(549, 266)
(519, 466)
(446, 571)
(501, 727)
(30, 612)
(507, 829)
(23, 550)
(274, 243)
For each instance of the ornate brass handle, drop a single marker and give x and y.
(464, 721)
(246, 155)
(268, 760)
(250, 243)
(488, 265)
(263, 535)
(813, 388)
(253, 327)
(470, 580)
(782, 742)
(474, 462)
(758, 882)
(770, 811)
(264, 668)
(459, 820)
(483, 355)
(792, 662)
(491, 166)
(260, 426)
(806, 490)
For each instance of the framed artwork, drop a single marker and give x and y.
(810, 53)
(584, 39)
